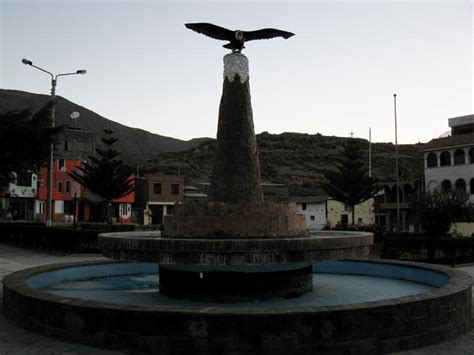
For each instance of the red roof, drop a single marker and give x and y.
(462, 139)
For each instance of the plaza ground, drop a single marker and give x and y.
(15, 340)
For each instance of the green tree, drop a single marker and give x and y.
(438, 210)
(105, 175)
(350, 182)
(25, 141)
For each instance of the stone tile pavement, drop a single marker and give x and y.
(17, 341)
(14, 340)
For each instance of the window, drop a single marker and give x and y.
(157, 188)
(471, 156)
(445, 159)
(472, 186)
(459, 157)
(175, 189)
(80, 146)
(23, 179)
(170, 209)
(58, 206)
(60, 186)
(61, 165)
(432, 160)
(68, 145)
(312, 218)
(446, 185)
(68, 186)
(303, 206)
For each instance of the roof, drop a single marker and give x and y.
(447, 142)
(194, 194)
(310, 199)
(461, 120)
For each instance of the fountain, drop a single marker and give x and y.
(238, 274)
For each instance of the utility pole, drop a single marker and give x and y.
(370, 152)
(396, 163)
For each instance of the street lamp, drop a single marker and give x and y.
(54, 80)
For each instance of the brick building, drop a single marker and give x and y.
(156, 196)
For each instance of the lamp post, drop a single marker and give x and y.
(54, 80)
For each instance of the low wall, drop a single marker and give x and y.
(364, 328)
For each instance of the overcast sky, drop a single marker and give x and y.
(337, 75)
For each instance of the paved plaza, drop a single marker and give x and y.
(15, 340)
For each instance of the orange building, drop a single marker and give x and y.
(72, 201)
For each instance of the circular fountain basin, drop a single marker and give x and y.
(356, 305)
(230, 269)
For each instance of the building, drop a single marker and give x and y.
(385, 206)
(449, 161)
(157, 194)
(71, 201)
(321, 211)
(192, 194)
(19, 199)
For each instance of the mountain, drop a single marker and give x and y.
(296, 160)
(136, 145)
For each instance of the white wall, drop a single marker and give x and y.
(315, 214)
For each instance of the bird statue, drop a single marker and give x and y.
(236, 38)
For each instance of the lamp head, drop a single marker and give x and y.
(26, 61)
(82, 71)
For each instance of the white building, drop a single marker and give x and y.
(321, 211)
(22, 193)
(449, 161)
(314, 209)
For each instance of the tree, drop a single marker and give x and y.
(350, 183)
(25, 141)
(438, 210)
(105, 175)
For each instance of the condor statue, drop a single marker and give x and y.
(236, 38)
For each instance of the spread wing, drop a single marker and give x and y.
(266, 33)
(211, 30)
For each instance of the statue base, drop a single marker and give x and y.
(219, 220)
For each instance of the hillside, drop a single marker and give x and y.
(294, 159)
(135, 144)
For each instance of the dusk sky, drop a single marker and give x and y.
(337, 74)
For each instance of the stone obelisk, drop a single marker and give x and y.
(235, 207)
(236, 172)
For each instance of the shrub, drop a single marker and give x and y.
(438, 210)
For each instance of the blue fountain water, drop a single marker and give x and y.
(335, 283)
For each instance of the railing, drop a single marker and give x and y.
(393, 205)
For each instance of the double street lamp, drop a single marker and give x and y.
(54, 80)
